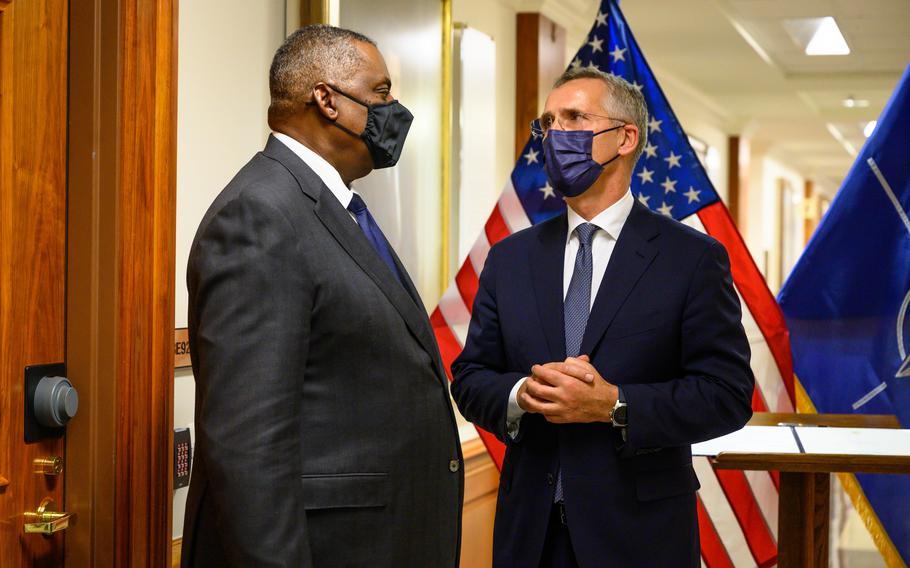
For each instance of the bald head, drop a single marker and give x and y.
(313, 54)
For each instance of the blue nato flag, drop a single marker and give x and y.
(847, 301)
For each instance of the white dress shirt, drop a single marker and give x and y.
(326, 171)
(610, 221)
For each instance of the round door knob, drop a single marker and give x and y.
(56, 401)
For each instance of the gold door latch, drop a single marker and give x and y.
(46, 520)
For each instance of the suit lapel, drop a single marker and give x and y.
(547, 275)
(409, 286)
(631, 257)
(348, 234)
(352, 239)
(427, 336)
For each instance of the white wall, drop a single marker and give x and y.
(225, 49)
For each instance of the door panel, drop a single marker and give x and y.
(33, 83)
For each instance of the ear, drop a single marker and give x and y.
(324, 100)
(630, 142)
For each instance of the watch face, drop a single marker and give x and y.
(619, 415)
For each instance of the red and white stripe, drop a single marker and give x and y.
(737, 511)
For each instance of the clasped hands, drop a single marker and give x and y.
(568, 392)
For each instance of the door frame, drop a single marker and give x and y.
(122, 134)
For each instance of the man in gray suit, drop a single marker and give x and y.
(324, 432)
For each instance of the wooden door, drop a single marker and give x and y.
(33, 135)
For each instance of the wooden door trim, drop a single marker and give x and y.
(540, 49)
(91, 281)
(120, 296)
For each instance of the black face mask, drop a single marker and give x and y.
(386, 129)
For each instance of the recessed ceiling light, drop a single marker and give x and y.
(828, 40)
(817, 36)
(870, 127)
(851, 102)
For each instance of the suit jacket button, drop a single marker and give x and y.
(550, 479)
(454, 466)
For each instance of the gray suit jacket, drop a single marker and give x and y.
(324, 432)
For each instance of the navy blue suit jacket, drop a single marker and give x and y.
(666, 326)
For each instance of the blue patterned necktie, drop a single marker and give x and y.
(373, 233)
(577, 306)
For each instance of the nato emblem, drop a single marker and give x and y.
(903, 338)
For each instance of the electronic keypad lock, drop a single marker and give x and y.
(50, 401)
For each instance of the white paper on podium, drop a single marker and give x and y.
(751, 440)
(855, 441)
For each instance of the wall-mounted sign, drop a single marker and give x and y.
(181, 348)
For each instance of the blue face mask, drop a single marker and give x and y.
(568, 161)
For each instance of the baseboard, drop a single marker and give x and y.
(175, 552)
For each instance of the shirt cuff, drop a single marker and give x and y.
(514, 412)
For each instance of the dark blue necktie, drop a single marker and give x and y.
(373, 233)
(577, 305)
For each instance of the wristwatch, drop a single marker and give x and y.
(619, 415)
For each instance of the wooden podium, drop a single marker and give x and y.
(804, 497)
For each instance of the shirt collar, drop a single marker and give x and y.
(326, 171)
(610, 220)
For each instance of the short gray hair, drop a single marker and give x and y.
(626, 102)
(312, 54)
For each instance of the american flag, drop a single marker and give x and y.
(737, 511)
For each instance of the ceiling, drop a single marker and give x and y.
(737, 57)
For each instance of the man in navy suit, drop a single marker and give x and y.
(603, 343)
